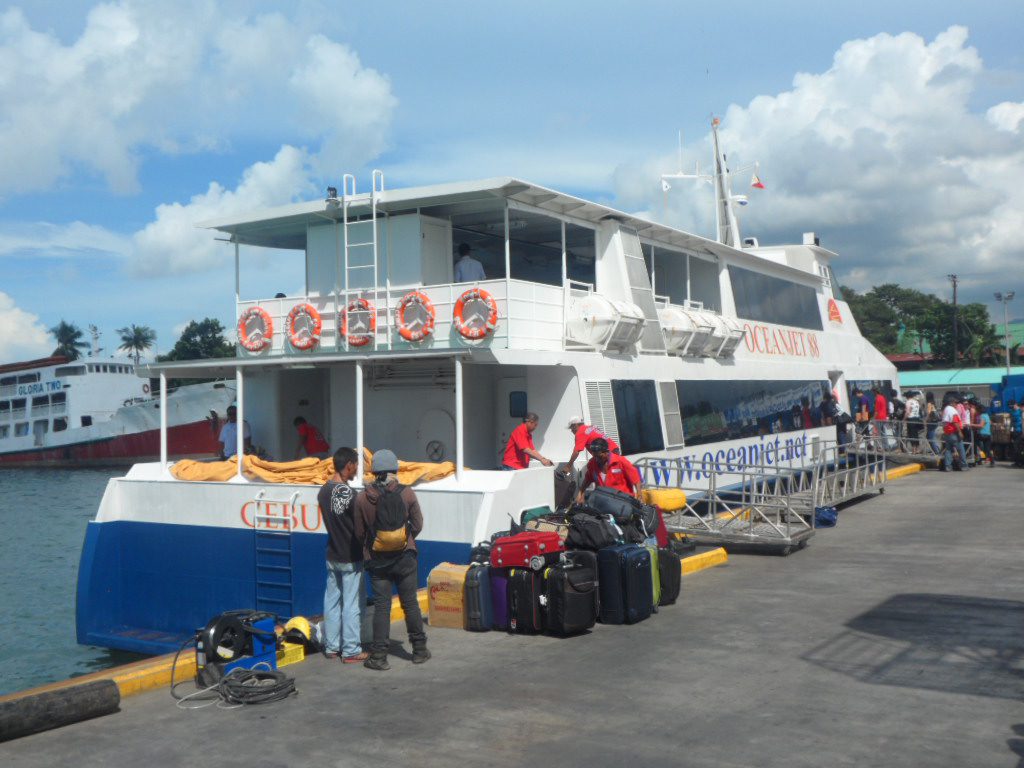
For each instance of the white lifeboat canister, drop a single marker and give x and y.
(602, 323)
(678, 328)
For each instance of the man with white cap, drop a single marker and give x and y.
(585, 435)
(388, 520)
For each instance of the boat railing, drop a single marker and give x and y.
(18, 413)
(530, 316)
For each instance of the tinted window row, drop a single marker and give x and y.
(714, 411)
(773, 300)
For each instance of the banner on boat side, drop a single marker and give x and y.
(787, 342)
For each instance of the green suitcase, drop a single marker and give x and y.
(655, 576)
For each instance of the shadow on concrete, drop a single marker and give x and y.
(951, 643)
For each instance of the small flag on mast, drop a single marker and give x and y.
(756, 182)
(665, 186)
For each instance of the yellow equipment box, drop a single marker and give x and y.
(290, 653)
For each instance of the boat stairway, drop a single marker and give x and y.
(273, 556)
(763, 508)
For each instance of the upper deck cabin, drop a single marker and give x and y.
(564, 274)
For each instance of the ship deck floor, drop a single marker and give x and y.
(896, 639)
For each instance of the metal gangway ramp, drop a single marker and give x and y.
(764, 507)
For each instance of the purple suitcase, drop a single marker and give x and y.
(499, 597)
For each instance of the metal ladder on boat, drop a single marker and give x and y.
(273, 556)
(361, 252)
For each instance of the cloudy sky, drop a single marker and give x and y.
(893, 130)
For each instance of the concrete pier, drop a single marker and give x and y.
(895, 639)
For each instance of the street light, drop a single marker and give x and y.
(1006, 298)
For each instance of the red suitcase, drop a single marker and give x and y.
(531, 549)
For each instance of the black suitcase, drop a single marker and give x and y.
(525, 587)
(565, 489)
(610, 501)
(625, 582)
(479, 611)
(670, 570)
(570, 590)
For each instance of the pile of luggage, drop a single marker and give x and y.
(561, 572)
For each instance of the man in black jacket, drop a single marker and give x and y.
(342, 604)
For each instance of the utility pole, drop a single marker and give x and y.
(956, 352)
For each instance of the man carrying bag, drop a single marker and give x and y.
(388, 520)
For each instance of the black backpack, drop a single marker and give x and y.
(389, 527)
(899, 409)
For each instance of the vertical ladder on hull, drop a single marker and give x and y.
(361, 251)
(273, 557)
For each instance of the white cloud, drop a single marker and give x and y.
(178, 77)
(1006, 116)
(58, 241)
(883, 156)
(22, 335)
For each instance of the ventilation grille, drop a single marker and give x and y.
(670, 409)
(601, 406)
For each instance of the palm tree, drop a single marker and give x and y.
(69, 340)
(136, 339)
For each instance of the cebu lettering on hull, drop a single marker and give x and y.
(771, 340)
(274, 516)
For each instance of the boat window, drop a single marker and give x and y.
(517, 405)
(20, 430)
(580, 254)
(28, 378)
(483, 230)
(59, 425)
(18, 407)
(70, 370)
(670, 273)
(87, 421)
(40, 402)
(8, 381)
(5, 409)
(535, 247)
(670, 410)
(704, 284)
(40, 427)
(5, 431)
(774, 300)
(636, 416)
(727, 410)
(58, 397)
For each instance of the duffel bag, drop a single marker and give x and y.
(611, 501)
(591, 533)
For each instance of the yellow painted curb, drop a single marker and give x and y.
(898, 472)
(397, 614)
(704, 560)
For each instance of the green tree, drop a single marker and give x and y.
(200, 340)
(69, 340)
(136, 339)
(878, 322)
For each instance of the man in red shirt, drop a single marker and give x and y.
(310, 440)
(520, 448)
(881, 406)
(610, 470)
(585, 435)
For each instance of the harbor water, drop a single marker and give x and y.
(44, 516)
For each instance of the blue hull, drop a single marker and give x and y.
(146, 587)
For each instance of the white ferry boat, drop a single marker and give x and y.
(97, 411)
(673, 344)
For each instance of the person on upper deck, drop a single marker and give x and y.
(520, 448)
(468, 269)
(310, 439)
(610, 470)
(229, 435)
(585, 435)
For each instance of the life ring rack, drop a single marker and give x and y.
(359, 339)
(475, 332)
(308, 336)
(258, 340)
(405, 330)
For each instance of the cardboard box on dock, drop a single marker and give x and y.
(446, 604)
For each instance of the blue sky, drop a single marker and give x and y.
(894, 130)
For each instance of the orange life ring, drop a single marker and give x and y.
(475, 331)
(359, 339)
(145, 389)
(426, 328)
(258, 339)
(306, 335)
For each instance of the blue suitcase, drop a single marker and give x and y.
(625, 581)
(479, 611)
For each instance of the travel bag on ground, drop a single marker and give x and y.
(565, 489)
(525, 588)
(655, 578)
(624, 581)
(478, 605)
(480, 553)
(530, 549)
(592, 533)
(670, 570)
(499, 597)
(570, 591)
(610, 501)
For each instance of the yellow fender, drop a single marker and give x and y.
(666, 499)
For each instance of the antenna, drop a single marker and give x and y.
(96, 349)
